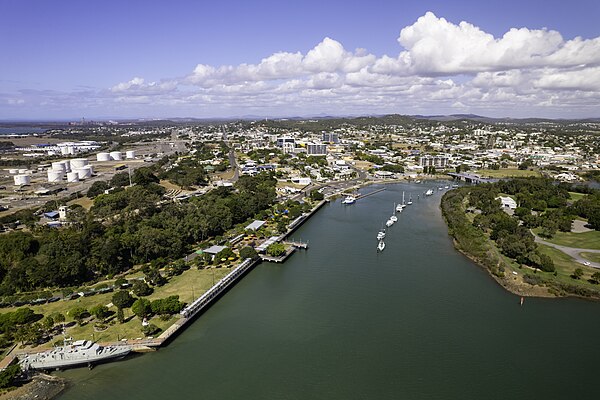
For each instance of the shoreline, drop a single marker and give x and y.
(511, 280)
(41, 387)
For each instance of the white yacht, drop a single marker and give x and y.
(429, 192)
(400, 206)
(409, 202)
(380, 245)
(381, 234)
(389, 223)
(393, 217)
(349, 200)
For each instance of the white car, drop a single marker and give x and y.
(586, 263)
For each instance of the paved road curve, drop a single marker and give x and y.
(571, 251)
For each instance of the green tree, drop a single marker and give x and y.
(58, 318)
(97, 188)
(315, 195)
(100, 312)
(120, 180)
(48, 322)
(79, 314)
(122, 299)
(248, 252)
(141, 288)
(577, 274)
(144, 176)
(142, 308)
(276, 249)
(596, 277)
(546, 263)
(150, 330)
(9, 375)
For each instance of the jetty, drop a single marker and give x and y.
(360, 196)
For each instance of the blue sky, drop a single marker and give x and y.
(72, 59)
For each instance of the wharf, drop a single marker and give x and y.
(295, 224)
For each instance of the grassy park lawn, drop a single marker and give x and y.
(189, 285)
(583, 240)
(565, 266)
(576, 196)
(507, 173)
(593, 257)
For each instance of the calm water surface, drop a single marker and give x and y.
(340, 321)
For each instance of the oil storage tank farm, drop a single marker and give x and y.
(77, 163)
(72, 177)
(83, 173)
(55, 175)
(103, 157)
(59, 166)
(21, 180)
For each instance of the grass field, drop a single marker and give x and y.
(576, 196)
(84, 202)
(593, 257)
(507, 173)
(169, 185)
(189, 285)
(583, 240)
(565, 266)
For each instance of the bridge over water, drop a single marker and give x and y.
(472, 178)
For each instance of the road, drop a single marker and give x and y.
(232, 160)
(570, 251)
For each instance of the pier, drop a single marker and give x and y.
(297, 244)
(369, 194)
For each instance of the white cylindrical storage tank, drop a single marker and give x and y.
(116, 155)
(22, 171)
(67, 165)
(21, 180)
(83, 173)
(103, 157)
(130, 154)
(79, 163)
(70, 150)
(13, 171)
(91, 168)
(72, 177)
(55, 176)
(64, 150)
(59, 166)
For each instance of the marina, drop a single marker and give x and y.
(286, 331)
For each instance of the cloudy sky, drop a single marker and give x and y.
(117, 59)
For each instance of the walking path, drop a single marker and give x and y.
(570, 251)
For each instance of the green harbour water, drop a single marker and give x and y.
(341, 321)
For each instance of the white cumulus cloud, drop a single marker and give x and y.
(440, 66)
